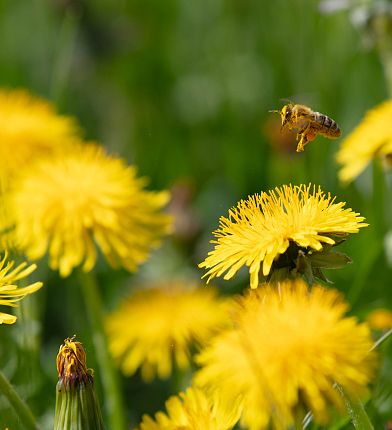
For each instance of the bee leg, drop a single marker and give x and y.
(302, 142)
(302, 138)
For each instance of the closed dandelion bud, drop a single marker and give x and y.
(76, 405)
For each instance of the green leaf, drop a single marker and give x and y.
(320, 275)
(329, 260)
(304, 267)
(356, 410)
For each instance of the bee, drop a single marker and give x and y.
(307, 123)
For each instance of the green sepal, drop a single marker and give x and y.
(304, 267)
(320, 275)
(307, 263)
(338, 238)
(77, 407)
(328, 259)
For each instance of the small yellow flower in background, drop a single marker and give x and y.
(371, 138)
(282, 359)
(190, 411)
(29, 129)
(380, 319)
(10, 294)
(157, 327)
(262, 228)
(67, 205)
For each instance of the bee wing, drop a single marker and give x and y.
(285, 100)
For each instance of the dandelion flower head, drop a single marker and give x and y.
(67, 205)
(10, 294)
(29, 129)
(288, 349)
(261, 228)
(371, 138)
(190, 410)
(157, 327)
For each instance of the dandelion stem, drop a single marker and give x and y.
(378, 223)
(113, 397)
(382, 28)
(22, 410)
(62, 64)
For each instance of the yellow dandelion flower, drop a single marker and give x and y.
(371, 138)
(288, 349)
(191, 411)
(65, 205)
(157, 326)
(10, 294)
(29, 129)
(262, 228)
(380, 319)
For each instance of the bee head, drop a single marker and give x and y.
(285, 114)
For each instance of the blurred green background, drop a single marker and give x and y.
(182, 89)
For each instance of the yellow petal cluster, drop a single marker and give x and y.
(190, 411)
(67, 205)
(261, 228)
(371, 138)
(290, 346)
(10, 294)
(71, 362)
(30, 128)
(157, 326)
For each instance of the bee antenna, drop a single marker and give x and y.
(286, 101)
(277, 111)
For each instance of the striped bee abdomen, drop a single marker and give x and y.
(328, 127)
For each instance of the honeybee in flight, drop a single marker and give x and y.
(308, 123)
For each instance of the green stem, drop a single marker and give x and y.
(356, 410)
(363, 270)
(22, 410)
(108, 374)
(382, 28)
(62, 64)
(379, 199)
(378, 225)
(386, 59)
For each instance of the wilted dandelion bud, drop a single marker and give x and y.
(76, 405)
